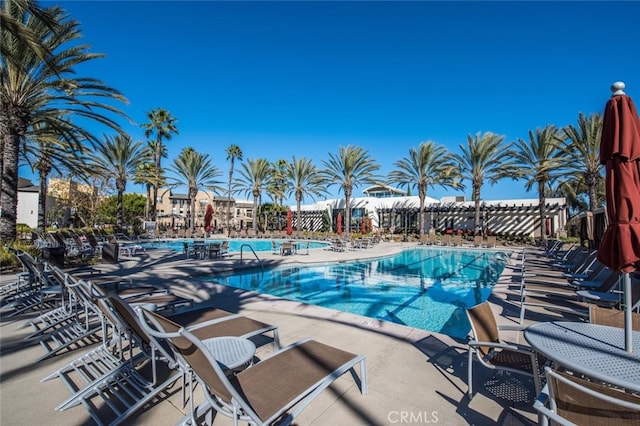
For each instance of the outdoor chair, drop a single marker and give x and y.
(23, 284)
(277, 388)
(286, 248)
(493, 353)
(569, 400)
(40, 292)
(491, 241)
(214, 250)
(124, 386)
(224, 248)
(612, 317)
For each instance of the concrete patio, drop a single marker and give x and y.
(415, 376)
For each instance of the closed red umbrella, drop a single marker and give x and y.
(339, 224)
(363, 225)
(620, 153)
(289, 222)
(208, 215)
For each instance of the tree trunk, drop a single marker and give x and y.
(147, 203)
(42, 202)
(542, 201)
(120, 209)
(298, 215)
(422, 194)
(347, 212)
(229, 197)
(476, 219)
(9, 186)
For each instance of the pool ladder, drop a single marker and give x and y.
(254, 254)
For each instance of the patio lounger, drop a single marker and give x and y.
(277, 388)
(124, 382)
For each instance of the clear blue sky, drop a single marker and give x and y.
(303, 78)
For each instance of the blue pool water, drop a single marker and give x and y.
(425, 288)
(234, 244)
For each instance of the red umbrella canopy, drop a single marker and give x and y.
(208, 215)
(289, 222)
(339, 225)
(620, 153)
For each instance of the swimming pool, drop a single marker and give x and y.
(234, 244)
(426, 288)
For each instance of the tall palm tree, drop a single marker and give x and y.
(147, 176)
(350, 168)
(485, 158)
(541, 158)
(233, 153)
(196, 172)
(277, 187)
(117, 158)
(47, 93)
(425, 167)
(254, 177)
(583, 148)
(163, 125)
(302, 179)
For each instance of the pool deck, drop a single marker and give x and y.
(415, 376)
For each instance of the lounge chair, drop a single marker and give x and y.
(41, 291)
(569, 400)
(124, 381)
(277, 388)
(493, 353)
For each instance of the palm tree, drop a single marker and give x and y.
(45, 151)
(118, 158)
(277, 187)
(584, 151)
(541, 158)
(302, 179)
(349, 169)
(425, 167)
(16, 27)
(254, 176)
(163, 125)
(37, 93)
(147, 176)
(233, 152)
(195, 171)
(485, 158)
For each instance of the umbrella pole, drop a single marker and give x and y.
(628, 330)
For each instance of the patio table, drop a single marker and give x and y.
(594, 350)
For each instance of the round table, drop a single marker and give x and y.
(231, 352)
(594, 350)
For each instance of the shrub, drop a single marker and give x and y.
(8, 259)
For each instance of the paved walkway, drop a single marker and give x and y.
(415, 376)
